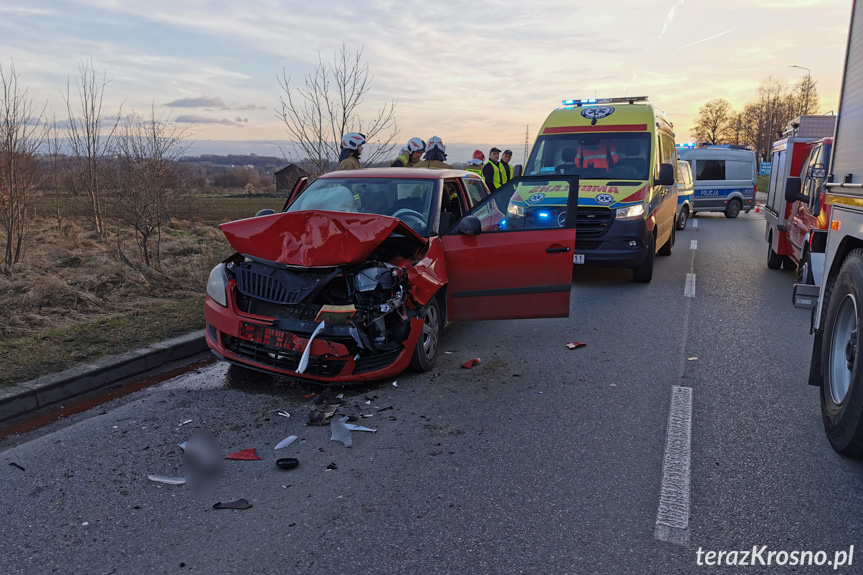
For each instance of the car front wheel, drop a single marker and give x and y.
(683, 218)
(644, 272)
(428, 344)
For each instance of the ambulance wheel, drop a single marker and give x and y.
(428, 344)
(732, 210)
(668, 247)
(683, 218)
(842, 383)
(644, 272)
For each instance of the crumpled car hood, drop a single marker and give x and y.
(315, 238)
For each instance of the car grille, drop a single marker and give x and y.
(275, 285)
(287, 360)
(592, 222)
(372, 363)
(255, 306)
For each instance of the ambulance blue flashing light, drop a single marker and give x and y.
(596, 101)
(543, 215)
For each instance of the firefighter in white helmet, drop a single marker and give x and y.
(410, 154)
(435, 155)
(352, 147)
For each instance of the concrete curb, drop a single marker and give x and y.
(50, 389)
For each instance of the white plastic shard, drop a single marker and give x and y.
(167, 479)
(286, 442)
(340, 431)
(353, 427)
(304, 361)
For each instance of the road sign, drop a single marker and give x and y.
(765, 168)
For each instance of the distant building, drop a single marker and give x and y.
(288, 176)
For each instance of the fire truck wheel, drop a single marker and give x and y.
(774, 260)
(644, 272)
(732, 210)
(788, 264)
(842, 384)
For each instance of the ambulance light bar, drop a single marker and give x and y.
(595, 101)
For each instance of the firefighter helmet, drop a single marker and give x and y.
(436, 143)
(416, 145)
(353, 140)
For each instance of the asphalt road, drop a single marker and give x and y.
(540, 460)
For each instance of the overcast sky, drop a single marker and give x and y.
(474, 73)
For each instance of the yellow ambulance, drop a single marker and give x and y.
(623, 151)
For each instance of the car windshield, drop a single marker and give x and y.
(410, 200)
(624, 156)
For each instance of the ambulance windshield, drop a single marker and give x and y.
(624, 156)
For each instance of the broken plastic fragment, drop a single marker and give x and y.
(340, 432)
(287, 462)
(283, 413)
(185, 422)
(238, 504)
(182, 445)
(331, 466)
(286, 442)
(575, 344)
(395, 383)
(692, 358)
(322, 414)
(304, 360)
(340, 396)
(353, 427)
(244, 455)
(167, 479)
(469, 364)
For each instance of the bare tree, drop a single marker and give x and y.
(713, 122)
(89, 143)
(150, 182)
(805, 96)
(22, 134)
(318, 113)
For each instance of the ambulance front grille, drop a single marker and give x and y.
(592, 222)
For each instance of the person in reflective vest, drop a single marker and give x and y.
(435, 155)
(491, 171)
(602, 155)
(475, 164)
(410, 154)
(506, 170)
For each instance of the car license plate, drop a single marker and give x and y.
(578, 259)
(267, 336)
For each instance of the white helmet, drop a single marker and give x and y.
(436, 143)
(416, 145)
(353, 140)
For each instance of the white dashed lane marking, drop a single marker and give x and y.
(689, 290)
(693, 245)
(672, 517)
(695, 223)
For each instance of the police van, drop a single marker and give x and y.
(724, 178)
(622, 150)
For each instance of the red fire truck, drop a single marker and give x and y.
(795, 210)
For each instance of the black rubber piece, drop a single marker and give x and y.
(287, 462)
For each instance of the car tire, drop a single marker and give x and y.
(668, 247)
(683, 218)
(804, 270)
(732, 210)
(428, 344)
(842, 385)
(644, 272)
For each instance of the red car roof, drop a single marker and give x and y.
(401, 173)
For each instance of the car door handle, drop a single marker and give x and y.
(557, 250)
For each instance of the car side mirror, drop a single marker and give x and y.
(818, 172)
(517, 171)
(793, 186)
(470, 226)
(666, 175)
(265, 212)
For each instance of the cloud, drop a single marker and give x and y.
(202, 102)
(192, 119)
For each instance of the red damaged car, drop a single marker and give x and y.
(356, 278)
